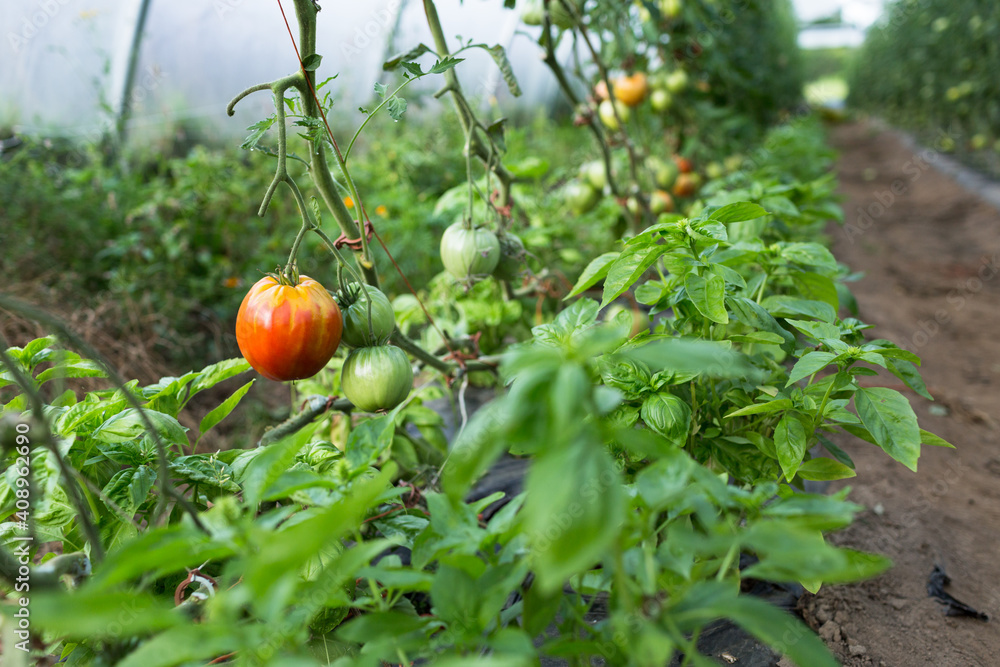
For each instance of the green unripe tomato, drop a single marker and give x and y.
(632, 204)
(354, 306)
(677, 81)
(469, 252)
(664, 172)
(661, 202)
(593, 174)
(580, 197)
(660, 100)
(670, 8)
(733, 163)
(714, 170)
(533, 14)
(606, 112)
(512, 253)
(376, 378)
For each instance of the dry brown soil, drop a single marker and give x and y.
(930, 253)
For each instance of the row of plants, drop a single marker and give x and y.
(672, 402)
(927, 67)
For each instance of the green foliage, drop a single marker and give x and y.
(928, 66)
(657, 459)
(748, 53)
(663, 442)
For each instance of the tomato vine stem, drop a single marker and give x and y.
(466, 116)
(629, 146)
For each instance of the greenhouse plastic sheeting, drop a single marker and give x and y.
(65, 61)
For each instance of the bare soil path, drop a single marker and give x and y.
(930, 252)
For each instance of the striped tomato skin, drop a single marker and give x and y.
(288, 333)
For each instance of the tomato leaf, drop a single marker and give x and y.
(498, 131)
(409, 56)
(396, 107)
(499, 56)
(311, 62)
(445, 64)
(257, 131)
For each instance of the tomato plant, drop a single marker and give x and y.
(288, 331)
(662, 441)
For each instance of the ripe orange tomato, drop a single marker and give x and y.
(631, 90)
(685, 186)
(683, 164)
(288, 332)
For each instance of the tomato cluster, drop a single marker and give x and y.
(291, 331)
(376, 375)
